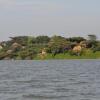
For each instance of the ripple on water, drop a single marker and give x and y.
(50, 80)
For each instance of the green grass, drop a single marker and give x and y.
(87, 55)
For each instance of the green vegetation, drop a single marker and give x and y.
(55, 47)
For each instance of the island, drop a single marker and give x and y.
(45, 48)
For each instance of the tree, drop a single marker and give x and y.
(58, 44)
(92, 37)
(92, 41)
(76, 39)
(26, 54)
(42, 39)
(20, 39)
(31, 41)
(97, 48)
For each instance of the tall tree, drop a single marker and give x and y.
(92, 41)
(42, 39)
(92, 37)
(76, 39)
(58, 44)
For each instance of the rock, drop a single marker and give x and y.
(9, 52)
(15, 45)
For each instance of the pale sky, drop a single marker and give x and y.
(49, 17)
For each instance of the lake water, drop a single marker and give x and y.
(50, 80)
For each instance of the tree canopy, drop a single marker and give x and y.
(28, 47)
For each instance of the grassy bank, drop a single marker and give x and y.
(89, 55)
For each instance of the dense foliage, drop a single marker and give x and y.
(28, 47)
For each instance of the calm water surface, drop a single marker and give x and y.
(50, 80)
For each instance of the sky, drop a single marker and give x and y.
(49, 17)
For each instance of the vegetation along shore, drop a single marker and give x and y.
(45, 47)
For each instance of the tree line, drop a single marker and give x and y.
(28, 47)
